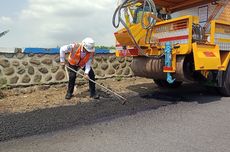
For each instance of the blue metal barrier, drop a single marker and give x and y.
(56, 51)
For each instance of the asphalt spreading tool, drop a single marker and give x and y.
(122, 99)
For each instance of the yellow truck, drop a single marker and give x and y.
(171, 50)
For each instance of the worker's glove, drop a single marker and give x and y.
(86, 76)
(62, 65)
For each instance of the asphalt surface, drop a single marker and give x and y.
(189, 119)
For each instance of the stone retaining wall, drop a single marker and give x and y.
(19, 69)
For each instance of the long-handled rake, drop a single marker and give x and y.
(113, 92)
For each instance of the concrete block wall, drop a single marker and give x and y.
(20, 69)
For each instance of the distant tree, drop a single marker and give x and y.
(105, 47)
(4, 33)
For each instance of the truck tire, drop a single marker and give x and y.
(165, 84)
(225, 89)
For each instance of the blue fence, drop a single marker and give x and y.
(56, 51)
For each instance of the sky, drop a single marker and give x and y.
(52, 23)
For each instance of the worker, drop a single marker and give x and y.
(164, 14)
(80, 56)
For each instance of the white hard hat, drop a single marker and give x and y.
(88, 44)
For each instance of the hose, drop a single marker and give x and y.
(124, 5)
(152, 8)
(128, 3)
(117, 13)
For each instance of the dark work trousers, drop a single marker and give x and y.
(72, 79)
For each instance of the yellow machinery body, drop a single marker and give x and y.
(190, 57)
(213, 55)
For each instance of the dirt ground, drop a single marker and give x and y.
(20, 100)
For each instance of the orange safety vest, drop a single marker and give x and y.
(75, 57)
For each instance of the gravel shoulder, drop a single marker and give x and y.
(21, 100)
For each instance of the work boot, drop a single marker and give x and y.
(68, 96)
(95, 96)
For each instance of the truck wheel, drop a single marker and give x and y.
(225, 90)
(165, 84)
